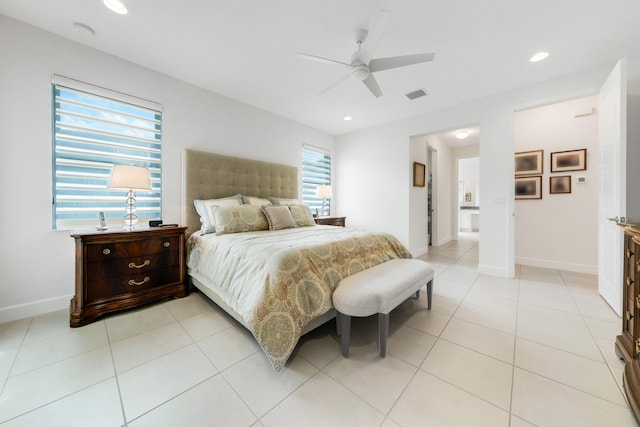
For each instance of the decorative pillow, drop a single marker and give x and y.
(279, 201)
(239, 219)
(203, 207)
(279, 217)
(302, 215)
(255, 201)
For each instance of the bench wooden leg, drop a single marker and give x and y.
(345, 331)
(383, 332)
(429, 293)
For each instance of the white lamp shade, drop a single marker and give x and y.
(130, 177)
(324, 191)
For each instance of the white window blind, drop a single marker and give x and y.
(93, 129)
(316, 170)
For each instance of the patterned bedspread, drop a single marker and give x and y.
(278, 281)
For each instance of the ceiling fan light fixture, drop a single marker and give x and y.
(462, 134)
(116, 6)
(360, 72)
(539, 56)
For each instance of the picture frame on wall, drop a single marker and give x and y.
(560, 184)
(418, 174)
(573, 160)
(529, 162)
(528, 187)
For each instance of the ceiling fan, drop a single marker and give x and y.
(362, 66)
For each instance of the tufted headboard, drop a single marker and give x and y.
(210, 176)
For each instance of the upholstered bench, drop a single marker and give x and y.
(379, 289)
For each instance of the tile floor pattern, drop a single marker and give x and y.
(537, 350)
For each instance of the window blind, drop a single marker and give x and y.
(93, 129)
(316, 170)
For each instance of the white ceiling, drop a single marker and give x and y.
(245, 49)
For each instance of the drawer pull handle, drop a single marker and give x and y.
(166, 244)
(629, 281)
(106, 251)
(134, 283)
(629, 315)
(638, 345)
(629, 253)
(144, 264)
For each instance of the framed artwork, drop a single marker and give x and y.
(418, 174)
(529, 187)
(467, 197)
(529, 162)
(560, 184)
(574, 160)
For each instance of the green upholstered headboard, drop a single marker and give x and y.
(210, 176)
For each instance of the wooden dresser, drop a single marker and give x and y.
(122, 269)
(331, 220)
(628, 342)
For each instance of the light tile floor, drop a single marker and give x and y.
(534, 350)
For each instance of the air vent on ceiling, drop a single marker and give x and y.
(416, 94)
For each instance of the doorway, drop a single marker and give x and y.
(468, 195)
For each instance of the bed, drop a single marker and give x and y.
(276, 283)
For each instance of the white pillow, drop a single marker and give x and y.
(204, 209)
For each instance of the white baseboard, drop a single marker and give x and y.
(419, 252)
(21, 311)
(491, 270)
(443, 241)
(558, 265)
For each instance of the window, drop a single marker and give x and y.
(316, 170)
(93, 129)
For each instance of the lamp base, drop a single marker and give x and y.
(130, 219)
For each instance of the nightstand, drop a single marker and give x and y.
(331, 220)
(118, 269)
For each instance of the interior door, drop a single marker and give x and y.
(612, 140)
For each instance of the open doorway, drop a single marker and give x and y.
(469, 196)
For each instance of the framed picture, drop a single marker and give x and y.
(467, 197)
(529, 162)
(574, 160)
(529, 187)
(418, 174)
(560, 184)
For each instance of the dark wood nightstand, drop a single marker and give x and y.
(118, 269)
(331, 220)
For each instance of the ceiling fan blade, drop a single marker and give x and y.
(373, 37)
(334, 84)
(321, 59)
(371, 83)
(380, 64)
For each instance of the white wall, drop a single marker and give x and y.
(37, 264)
(560, 230)
(360, 170)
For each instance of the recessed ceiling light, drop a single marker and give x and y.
(116, 6)
(539, 56)
(347, 118)
(462, 134)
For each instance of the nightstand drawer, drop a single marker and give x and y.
(135, 248)
(131, 283)
(134, 265)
